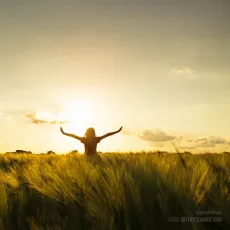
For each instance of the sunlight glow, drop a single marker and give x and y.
(78, 114)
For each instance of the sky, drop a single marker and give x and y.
(158, 68)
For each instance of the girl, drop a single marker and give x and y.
(90, 140)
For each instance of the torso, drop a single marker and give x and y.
(90, 146)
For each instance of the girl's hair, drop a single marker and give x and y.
(90, 133)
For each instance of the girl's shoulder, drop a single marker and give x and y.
(98, 139)
(83, 139)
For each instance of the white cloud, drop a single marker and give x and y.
(44, 118)
(207, 142)
(212, 140)
(155, 136)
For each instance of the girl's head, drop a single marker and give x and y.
(90, 133)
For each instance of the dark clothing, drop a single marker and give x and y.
(90, 145)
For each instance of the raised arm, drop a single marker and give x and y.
(70, 135)
(110, 134)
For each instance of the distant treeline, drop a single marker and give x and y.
(50, 152)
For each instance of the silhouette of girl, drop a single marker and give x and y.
(90, 140)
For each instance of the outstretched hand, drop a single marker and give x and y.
(61, 129)
(120, 129)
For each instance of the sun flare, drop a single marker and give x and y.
(78, 116)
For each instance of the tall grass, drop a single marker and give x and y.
(117, 191)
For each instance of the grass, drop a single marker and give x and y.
(118, 191)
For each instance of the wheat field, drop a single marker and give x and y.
(130, 191)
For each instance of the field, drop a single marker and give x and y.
(118, 191)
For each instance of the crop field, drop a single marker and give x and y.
(130, 191)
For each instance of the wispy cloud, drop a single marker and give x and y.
(207, 142)
(44, 118)
(155, 136)
(184, 71)
(211, 139)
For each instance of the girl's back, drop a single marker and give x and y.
(90, 145)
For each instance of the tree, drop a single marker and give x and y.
(50, 152)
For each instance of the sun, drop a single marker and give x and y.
(78, 115)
